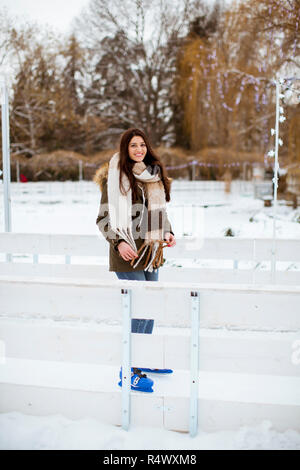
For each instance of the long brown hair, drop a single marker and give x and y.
(151, 158)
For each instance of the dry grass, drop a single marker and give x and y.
(63, 165)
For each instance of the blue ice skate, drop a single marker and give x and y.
(139, 382)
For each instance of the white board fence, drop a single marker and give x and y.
(230, 259)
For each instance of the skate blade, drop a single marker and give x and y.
(157, 371)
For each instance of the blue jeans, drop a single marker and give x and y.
(139, 325)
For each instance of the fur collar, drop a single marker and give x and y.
(101, 174)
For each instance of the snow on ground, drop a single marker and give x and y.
(19, 431)
(72, 207)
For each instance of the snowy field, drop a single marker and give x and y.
(19, 431)
(72, 208)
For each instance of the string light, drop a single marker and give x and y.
(251, 79)
(204, 164)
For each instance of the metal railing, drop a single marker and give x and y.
(126, 360)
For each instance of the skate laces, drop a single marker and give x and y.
(138, 372)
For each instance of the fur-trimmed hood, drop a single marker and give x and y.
(101, 174)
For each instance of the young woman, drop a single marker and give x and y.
(133, 219)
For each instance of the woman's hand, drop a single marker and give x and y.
(170, 239)
(126, 251)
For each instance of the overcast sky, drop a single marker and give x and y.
(57, 13)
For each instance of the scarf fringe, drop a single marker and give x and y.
(140, 257)
(155, 254)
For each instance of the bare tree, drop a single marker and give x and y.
(133, 46)
(280, 21)
(5, 27)
(226, 78)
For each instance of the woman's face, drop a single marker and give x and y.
(137, 148)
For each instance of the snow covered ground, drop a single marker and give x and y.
(19, 431)
(72, 208)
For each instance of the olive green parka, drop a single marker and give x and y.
(116, 262)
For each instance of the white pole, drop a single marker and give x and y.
(80, 170)
(18, 171)
(275, 182)
(193, 170)
(194, 361)
(5, 155)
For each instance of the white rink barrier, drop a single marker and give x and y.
(78, 253)
(233, 349)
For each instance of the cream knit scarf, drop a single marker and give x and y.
(120, 210)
